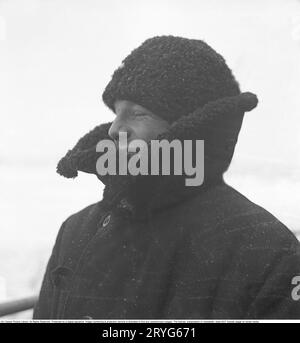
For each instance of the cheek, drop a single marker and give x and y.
(142, 131)
(157, 128)
(148, 130)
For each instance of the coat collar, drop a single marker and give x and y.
(217, 123)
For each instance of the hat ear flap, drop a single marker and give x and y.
(224, 107)
(217, 123)
(224, 114)
(83, 156)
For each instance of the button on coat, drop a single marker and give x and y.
(106, 220)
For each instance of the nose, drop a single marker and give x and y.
(118, 126)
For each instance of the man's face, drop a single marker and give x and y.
(137, 121)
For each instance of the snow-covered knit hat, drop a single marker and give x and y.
(171, 76)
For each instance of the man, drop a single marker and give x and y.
(154, 248)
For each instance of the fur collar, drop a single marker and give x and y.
(217, 123)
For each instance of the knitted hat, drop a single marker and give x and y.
(171, 76)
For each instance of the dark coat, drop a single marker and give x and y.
(162, 251)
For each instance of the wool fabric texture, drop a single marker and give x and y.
(171, 76)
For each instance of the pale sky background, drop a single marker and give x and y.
(56, 58)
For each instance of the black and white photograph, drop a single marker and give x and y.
(149, 162)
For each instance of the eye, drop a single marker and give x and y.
(140, 114)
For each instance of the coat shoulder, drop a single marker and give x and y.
(79, 226)
(75, 219)
(229, 213)
(256, 220)
(247, 249)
